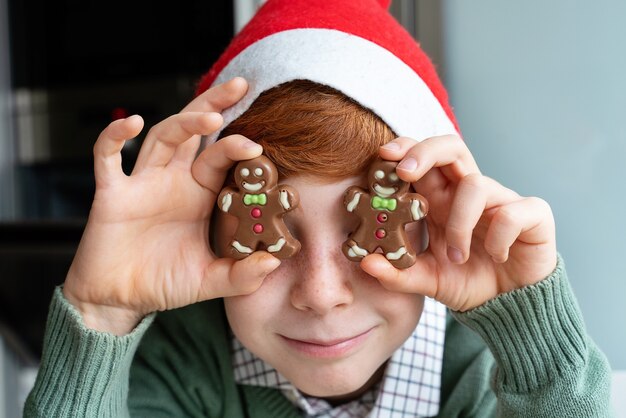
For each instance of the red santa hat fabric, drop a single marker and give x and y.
(354, 46)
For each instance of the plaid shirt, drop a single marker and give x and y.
(410, 387)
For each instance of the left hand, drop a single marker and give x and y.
(484, 239)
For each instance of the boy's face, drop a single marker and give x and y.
(318, 319)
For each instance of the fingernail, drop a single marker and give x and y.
(250, 144)
(455, 255)
(410, 164)
(391, 146)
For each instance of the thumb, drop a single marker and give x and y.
(226, 277)
(416, 279)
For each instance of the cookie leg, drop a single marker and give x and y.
(401, 258)
(352, 250)
(240, 251)
(283, 248)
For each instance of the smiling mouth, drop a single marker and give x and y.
(253, 187)
(384, 191)
(327, 348)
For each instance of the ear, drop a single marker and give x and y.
(384, 3)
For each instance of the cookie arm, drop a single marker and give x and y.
(418, 206)
(225, 198)
(352, 198)
(288, 197)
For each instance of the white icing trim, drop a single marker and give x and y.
(284, 199)
(252, 187)
(354, 202)
(227, 200)
(384, 191)
(396, 254)
(356, 251)
(278, 246)
(416, 210)
(361, 69)
(241, 248)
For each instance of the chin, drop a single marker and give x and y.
(331, 381)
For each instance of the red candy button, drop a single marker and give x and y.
(257, 228)
(382, 217)
(256, 213)
(381, 233)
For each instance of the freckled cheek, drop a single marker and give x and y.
(264, 304)
(247, 315)
(400, 310)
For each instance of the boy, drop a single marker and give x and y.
(317, 334)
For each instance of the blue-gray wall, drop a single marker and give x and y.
(539, 88)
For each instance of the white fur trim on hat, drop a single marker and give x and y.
(360, 69)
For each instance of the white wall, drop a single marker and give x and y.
(540, 92)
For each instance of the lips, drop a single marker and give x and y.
(327, 348)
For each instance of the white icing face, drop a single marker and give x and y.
(252, 177)
(384, 181)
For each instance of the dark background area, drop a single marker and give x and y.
(79, 65)
(70, 42)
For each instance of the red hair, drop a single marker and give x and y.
(308, 128)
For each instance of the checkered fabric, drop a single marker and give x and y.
(410, 387)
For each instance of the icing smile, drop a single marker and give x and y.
(384, 191)
(253, 187)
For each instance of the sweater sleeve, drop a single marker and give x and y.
(547, 365)
(83, 373)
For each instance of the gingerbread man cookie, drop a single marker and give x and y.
(259, 203)
(383, 213)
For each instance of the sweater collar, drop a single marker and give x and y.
(410, 387)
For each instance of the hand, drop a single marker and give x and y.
(485, 239)
(145, 246)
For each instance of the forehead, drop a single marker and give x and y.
(323, 184)
(320, 196)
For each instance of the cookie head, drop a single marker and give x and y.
(383, 180)
(256, 176)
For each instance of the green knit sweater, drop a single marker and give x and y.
(522, 354)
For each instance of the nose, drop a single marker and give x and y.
(324, 281)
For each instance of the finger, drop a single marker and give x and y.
(165, 137)
(219, 97)
(396, 150)
(475, 193)
(108, 147)
(448, 152)
(432, 181)
(530, 220)
(211, 166)
(186, 152)
(416, 279)
(226, 277)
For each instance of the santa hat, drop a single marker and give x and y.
(354, 46)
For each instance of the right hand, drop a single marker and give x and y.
(145, 247)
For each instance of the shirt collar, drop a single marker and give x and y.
(410, 387)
